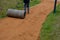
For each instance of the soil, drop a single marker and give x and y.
(28, 28)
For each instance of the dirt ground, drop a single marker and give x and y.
(28, 28)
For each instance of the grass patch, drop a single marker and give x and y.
(14, 4)
(51, 27)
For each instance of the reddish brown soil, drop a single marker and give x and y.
(28, 28)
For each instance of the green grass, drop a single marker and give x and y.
(51, 27)
(15, 4)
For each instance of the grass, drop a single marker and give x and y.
(51, 27)
(14, 4)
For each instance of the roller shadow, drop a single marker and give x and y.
(16, 17)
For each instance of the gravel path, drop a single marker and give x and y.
(28, 28)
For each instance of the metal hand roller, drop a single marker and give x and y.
(16, 13)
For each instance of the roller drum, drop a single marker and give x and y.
(16, 13)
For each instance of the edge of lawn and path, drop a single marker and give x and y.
(51, 27)
(14, 4)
